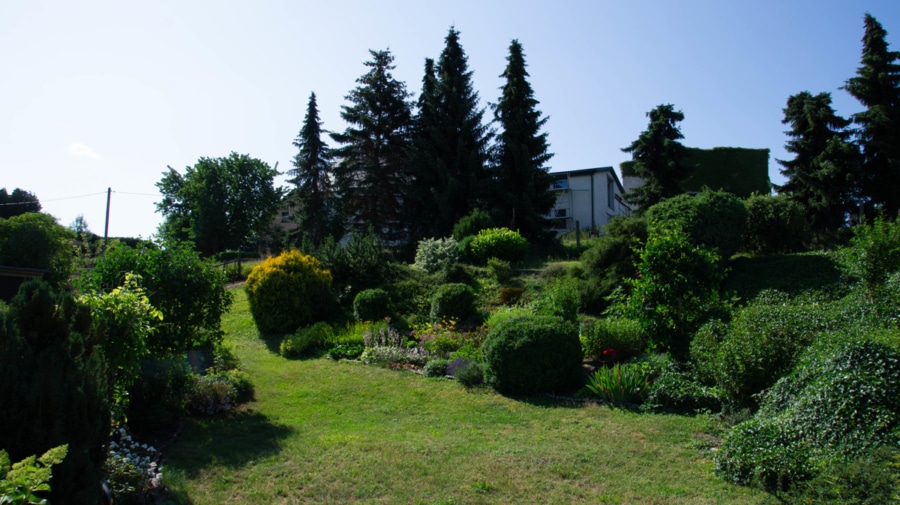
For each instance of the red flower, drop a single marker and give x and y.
(610, 354)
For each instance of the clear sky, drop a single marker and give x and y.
(107, 94)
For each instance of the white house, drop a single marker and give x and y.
(586, 199)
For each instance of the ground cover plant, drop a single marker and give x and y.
(337, 431)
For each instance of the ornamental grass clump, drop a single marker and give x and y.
(621, 383)
(289, 291)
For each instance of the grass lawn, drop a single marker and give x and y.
(337, 432)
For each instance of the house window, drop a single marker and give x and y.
(285, 217)
(561, 184)
(559, 213)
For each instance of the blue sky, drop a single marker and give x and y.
(106, 94)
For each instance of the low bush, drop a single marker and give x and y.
(675, 391)
(289, 291)
(436, 254)
(499, 316)
(469, 373)
(499, 270)
(533, 354)
(510, 295)
(560, 298)
(625, 383)
(620, 334)
(346, 351)
(453, 301)
(839, 404)
(501, 243)
(306, 340)
(210, 395)
(371, 305)
(436, 367)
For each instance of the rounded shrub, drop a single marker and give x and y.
(435, 254)
(288, 291)
(453, 301)
(371, 305)
(501, 243)
(533, 354)
(713, 219)
(775, 225)
(620, 334)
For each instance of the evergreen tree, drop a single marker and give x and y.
(451, 149)
(53, 389)
(823, 174)
(372, 155)
(420, 209)
(311, 177)
(658, 158)
(877, 87)
(522, 194)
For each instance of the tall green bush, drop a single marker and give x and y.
(621, 335)
(436, 254)
(712, 219)
(188, 290)
(471, 224)
(288, 291)
(35, 240)
(356, 265)
(676, 291)
(560, 298)
(775, 225)
(53, 388)
(876, 252)
(533, 354)
(371, 305)
(610, 261)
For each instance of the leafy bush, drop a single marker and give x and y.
(453, 301)
(20, 482)
(715, 220)
(35, 240)
(499, 270)
(839, 404)
(305, 340)
(532, 354)
(611, 260)
(469, 373)
(210, 395)
(346, 351)
(775, 225)
(188, 290)
(872, 479)
(371, 305)
(132, 469)
(675, 391)
(622, 335)
(677, 289)
(625, 383)
(471, 224)
(288, 291)
(436, 254)
(436, 367)
(501, 243)
(560, 298)
(876, 252)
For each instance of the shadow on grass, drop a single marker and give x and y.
(790, 273)
(231, 441)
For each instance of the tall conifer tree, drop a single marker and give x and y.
(522, 194)
(658, 158)
(311, 177)
(451, 148)
(877, 87)
(823, 174)
(370, 174)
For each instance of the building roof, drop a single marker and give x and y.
(589, 171)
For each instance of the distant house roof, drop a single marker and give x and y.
(589, 171)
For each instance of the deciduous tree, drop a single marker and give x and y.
(18, 202)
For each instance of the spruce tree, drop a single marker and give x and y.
(451, 149)
(658, 158)
(823, 174)
(311, 177)
(877, 87)
(522, 194)
(372, 155)
(419, 208)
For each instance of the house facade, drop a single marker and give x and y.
(586, 199)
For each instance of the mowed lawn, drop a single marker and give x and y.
(321, 431)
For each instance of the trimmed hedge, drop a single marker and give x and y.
(533, 354)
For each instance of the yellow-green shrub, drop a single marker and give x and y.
(289, 291)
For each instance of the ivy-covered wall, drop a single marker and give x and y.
(738, 170)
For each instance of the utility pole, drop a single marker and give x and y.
(106, 227)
